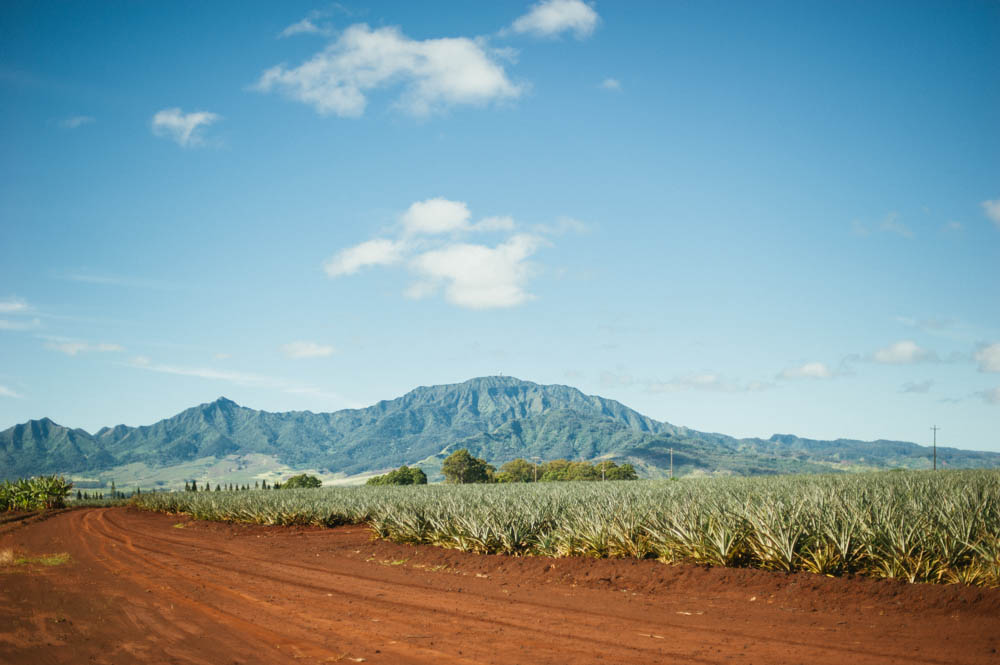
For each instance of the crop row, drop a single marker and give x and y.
(34, 493)
(917, 526)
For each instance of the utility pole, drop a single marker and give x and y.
(671, 464)
(535, 459)
(935, 428)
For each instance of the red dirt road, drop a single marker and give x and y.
(149, 588)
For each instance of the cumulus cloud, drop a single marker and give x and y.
(306, 350)
(184, 128)
(814, 370)
(434, 74)
(478, 276)
(904, 352)
(551, 18)
(72, 347)
(429, 242)
(7, 392)
(377, 252)
(73, 122)
(992, 210)
(611, 84)
(988, 358)
(436, 215)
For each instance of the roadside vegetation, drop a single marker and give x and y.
(915, 526)
(34, 493)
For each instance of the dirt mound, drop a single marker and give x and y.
(165, 589)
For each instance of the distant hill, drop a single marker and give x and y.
(498, 418)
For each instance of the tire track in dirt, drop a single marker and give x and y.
(208, 593)
(588, 621)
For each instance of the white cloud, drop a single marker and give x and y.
(550, 18)
(222, 356)
(76, 121)
(814, 370)
(988, 358)
(434, 73)
(904, 352)
(436, 215)
(478, 276)
(992, 210)
(306, 350)
(709, 382)
(377, 252)
(611, 84)
(991, 396)
(13, 305)
(471, 275)
(184, 128)
(891, 224)
(71, 347)
(304, 27)
(239, 378)
(503, 223)
(7, 392)
(7, 324)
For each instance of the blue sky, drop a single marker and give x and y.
(741, 217)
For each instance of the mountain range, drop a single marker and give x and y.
(496, 418)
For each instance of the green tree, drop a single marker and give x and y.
(461, 467)
(517, 471)
(404, 475)
(301, 481)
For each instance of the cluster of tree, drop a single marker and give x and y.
(461, 467)
(523, 471)
(404, 475)
(301, 481)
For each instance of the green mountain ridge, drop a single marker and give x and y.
(497, 418)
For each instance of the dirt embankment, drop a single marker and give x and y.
(142, 587)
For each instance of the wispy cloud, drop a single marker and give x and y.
(988, 358)
(991, 396)
(992, 210)
(889, 224)
(20, 324)
(13, 305)
(73, 347)
(812, 370)
(183, 128)
(434, 74)
(613, 85)
(903, 352)
(917, 387)
(246, 379)
(303, 349)
(76, 121)
(376, 252)
(551, 18)
(117, 280)
(7, 392)
(310, 25)
(709, 382)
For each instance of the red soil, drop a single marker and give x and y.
(140, 590)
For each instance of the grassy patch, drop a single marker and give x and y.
(10, 559)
